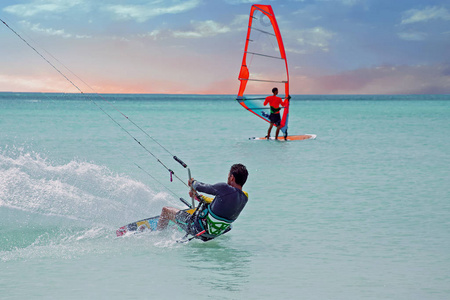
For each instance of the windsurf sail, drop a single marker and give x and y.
(264, 65)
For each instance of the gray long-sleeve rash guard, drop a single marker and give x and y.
(228, 201)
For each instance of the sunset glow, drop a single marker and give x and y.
(195, 46)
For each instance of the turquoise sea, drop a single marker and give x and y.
(362, 212)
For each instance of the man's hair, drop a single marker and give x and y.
(274, 90)
(240, 173)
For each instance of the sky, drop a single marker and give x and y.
(196, 46)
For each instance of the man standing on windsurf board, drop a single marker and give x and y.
(274, 101)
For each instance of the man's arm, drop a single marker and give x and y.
(201, 198)
(286, 101)
(204, 187)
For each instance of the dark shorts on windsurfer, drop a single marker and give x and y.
(275, 119)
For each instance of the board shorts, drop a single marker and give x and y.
(187, 222)
(275, 119)
(191, 225)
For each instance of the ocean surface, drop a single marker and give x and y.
(362, 212)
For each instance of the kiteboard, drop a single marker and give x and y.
(149, 224)
(288, 138)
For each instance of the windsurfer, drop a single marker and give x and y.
(274, 101)
(215, 215)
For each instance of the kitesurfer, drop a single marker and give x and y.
(274, 101)
(215, 215)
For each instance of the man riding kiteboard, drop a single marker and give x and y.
(213, 216)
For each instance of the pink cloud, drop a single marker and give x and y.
(423, 79)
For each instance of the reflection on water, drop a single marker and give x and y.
(219, 265)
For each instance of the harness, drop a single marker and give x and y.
(205, 224)
(212, 225)
(274, 110)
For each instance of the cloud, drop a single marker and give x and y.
(51, 32)
(420, 79)
(233, 2)
(316, 38)
(412, 36)
(137, 12)
(144, 12)
(295, 50)
(425, 15)
(352, 2)
(201, 29)
(41, 6)
(240, 23)
(33, 83)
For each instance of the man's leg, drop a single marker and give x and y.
(277, 132)
(167, 214)
(268, 132)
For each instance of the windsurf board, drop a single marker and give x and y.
(288, 138)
